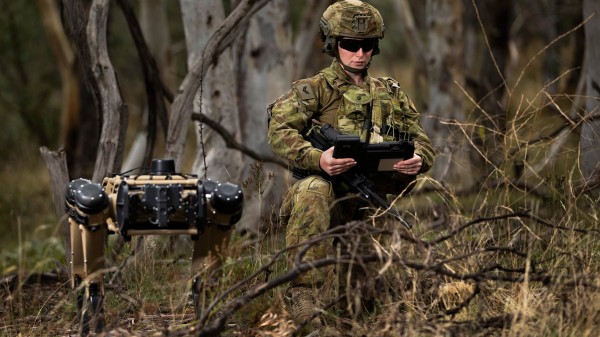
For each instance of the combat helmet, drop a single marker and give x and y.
(350, 18)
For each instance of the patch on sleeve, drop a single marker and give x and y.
(305, 91)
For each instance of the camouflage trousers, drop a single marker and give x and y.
(309, 208)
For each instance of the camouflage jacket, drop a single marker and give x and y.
(331, 97)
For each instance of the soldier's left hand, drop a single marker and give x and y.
(410, 166)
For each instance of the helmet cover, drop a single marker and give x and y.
(350, 18)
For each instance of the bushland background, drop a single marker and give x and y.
(508, 93)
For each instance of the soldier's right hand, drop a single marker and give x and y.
(334, 166)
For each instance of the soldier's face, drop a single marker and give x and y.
(356, 53)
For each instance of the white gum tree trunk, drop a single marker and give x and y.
(446, 118)
(265, 66)
(219, 100)
(590, 132)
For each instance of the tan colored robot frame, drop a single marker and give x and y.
(160, 202)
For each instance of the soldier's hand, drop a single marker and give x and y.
(410, 166)
(334, 166)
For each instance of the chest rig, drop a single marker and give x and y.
(374, 111)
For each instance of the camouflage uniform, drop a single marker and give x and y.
(332, 97)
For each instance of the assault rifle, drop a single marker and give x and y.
(369, 158)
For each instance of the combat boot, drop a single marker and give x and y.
(303, 303)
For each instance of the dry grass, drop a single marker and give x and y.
(520, 258)
(510, 276)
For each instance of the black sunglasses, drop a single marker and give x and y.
(354, 45)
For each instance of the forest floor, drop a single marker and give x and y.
(41, 306)
(45, 305)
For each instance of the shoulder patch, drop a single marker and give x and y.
(305, 90)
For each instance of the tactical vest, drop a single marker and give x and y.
(378, 111)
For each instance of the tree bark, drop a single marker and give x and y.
(87, 29)
(446, 118)
(265, 69)
(183, 103)
(114, 110)
(590, 131)
(219, 100)
(56, 162)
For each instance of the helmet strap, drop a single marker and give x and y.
(352, 69)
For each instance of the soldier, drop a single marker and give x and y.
(343, 95)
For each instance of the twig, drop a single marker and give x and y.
(231, 142)
(347, 232)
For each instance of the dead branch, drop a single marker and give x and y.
(231, 142)
(210, 325)
(461, 328)
(56, 162)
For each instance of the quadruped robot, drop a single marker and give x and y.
(158, 202)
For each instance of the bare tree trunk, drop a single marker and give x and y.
(153, 24)
(114, 110)
(72, 127)
(486, 65)
(551, 68)
(590, 132)
(66, 65)
(416, 49)
(265, 68)
(446, 122)
(88, 32)
(219, 100)
(155, 27)
(307, 44)
(183, 103)
(56, 162)
(495, 22)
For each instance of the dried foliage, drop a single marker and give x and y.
(515, 256)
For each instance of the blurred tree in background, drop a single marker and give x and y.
(29, 101)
